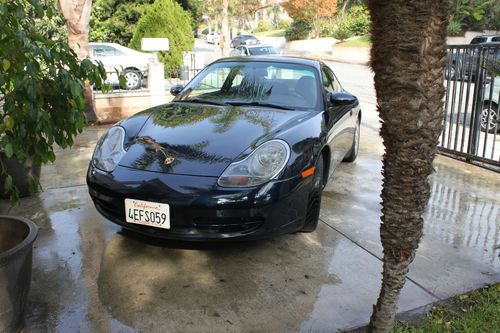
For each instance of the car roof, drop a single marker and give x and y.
(104, 44)
(486, 36)
(118, 46)
(284, 59)
(257, 45)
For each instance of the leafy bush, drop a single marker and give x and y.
(165, 18)
(358, 20)
(263, 26)
(41, 89)
(341, 32)
(298, 30)
(454, 28)
(116, 20)
(283, 24)
(355, 23)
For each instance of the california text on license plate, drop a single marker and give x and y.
(148, 213)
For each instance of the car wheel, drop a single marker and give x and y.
(133, 79)
(314, 204)
(353, 153)
(489, 118)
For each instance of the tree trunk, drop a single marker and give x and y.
(77, 15)
(344, 7)
(224, 38)
(408, 57)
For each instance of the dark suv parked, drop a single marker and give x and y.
(485, 39)
(464, 59)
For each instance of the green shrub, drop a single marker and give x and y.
(41, 89)
(341, 32)
(298, 30)
(283, 24)
(263, 26)
(165, 18)
(355, 23)
(454, 28)
(358, 20)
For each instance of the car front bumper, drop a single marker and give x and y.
(199, 208)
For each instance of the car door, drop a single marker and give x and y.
(338, 120)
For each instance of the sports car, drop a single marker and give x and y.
(242, 152)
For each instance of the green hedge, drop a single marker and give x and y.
(165, 18)
(355, 23)
(298, 30)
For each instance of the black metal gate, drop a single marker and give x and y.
(471, 111)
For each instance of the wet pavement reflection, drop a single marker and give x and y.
(91, 276)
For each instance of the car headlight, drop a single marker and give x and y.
(262, 165)
(109, 149)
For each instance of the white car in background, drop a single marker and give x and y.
(212, 38)
(132, 64)
(257, 49)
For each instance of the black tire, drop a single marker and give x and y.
(133, 79)
(314, 203)
(492, 125)
(353, 153)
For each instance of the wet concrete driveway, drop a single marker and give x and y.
(90, 276)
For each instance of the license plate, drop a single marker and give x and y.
(153, 214)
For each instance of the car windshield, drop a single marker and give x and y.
(284, 85)
(260, 50)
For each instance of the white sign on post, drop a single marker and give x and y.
(155, 44)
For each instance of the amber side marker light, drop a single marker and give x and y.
(308, 172)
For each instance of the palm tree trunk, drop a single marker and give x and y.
(77, 15)
(224, 38)
(408, 57)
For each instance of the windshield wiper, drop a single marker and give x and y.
(200, 101)
(264, 104)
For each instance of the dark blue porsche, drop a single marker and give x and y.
(242, 152)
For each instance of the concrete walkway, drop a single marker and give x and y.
(90, 276)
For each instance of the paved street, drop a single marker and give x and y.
(90, 276)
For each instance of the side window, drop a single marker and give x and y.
(327, 81)
(118, 52)
(495, 39)
(335, 82)
(103, 51)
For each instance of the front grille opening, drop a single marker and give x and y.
(227, 224)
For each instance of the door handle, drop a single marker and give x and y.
(351, 112)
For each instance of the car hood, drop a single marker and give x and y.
(202, 140)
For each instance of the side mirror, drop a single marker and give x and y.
(176, 90)
(342, 98)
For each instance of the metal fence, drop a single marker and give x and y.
(175, 76)
(471, 104)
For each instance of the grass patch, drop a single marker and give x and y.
(271, 33)
(478, 311)
(362, 41)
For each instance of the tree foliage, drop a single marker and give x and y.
(115, 20)
(32, 117)
(313, 12)
(298, 30)
(194, 8)
(475, 14)
(166, 18)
